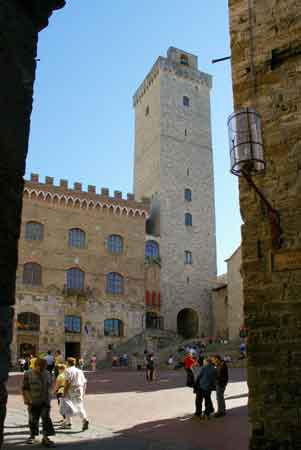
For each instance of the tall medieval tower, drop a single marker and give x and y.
(174, 167)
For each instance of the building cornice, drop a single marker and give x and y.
(62, 196)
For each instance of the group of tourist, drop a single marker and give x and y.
(52, 361)
(120, 361)
(51, 375)
(205, 375)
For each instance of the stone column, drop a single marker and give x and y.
(265, 45)
(20, 22)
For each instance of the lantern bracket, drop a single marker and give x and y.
(273, 214)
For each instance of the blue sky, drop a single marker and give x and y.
(92, 59)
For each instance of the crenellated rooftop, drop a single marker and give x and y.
(173, 65)
(63, 195)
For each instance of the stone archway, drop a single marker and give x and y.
(188, 323)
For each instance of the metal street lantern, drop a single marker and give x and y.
(245, 138)
(246, 156)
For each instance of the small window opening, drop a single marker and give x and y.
(184, 60)
(185, 100)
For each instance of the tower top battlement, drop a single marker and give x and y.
(178, 62)
(184, 58)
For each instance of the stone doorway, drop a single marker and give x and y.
(188, 323)
(72, 350)
(27, 345)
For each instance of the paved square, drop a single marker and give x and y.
(127, 413)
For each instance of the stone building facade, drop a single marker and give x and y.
(72, 245)
(265, 49)
(173, 166)
(227, 301)
(220, 325)
(235, 295)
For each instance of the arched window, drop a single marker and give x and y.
(114, 283)
(72, 324)
(185, 101)
(28, 321)
(184, 59)
(75, 279)
(151, 249)
(188, 219)
(188, 257)
(113, 327)
(115, 244)
(188, 195)
(32, 274)
(34, 231)
(77, 238)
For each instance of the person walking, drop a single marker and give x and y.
(36, 395)
(72, 404)
(49, 362)
(81, 363)
(204, 385)
(60, 384)
(221, 384)
(58, 359)
(189, 363)
(150, 367)
(93, 363)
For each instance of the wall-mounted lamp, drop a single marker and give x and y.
(246, 155)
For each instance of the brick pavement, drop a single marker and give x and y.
(126, 413)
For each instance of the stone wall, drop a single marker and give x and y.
(265, 44)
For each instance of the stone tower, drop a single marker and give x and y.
(173, 166)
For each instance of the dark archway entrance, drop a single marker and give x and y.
(72, 350)
(188, 323)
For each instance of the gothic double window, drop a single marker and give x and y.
(115, 283)
(113, 327)
(75, 279)
(115, 244)
(77, 238)
(32, 274)
(34, 231)
(72, 324)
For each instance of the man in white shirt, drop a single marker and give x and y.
(74, 391)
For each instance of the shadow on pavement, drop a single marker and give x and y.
(180, 433)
